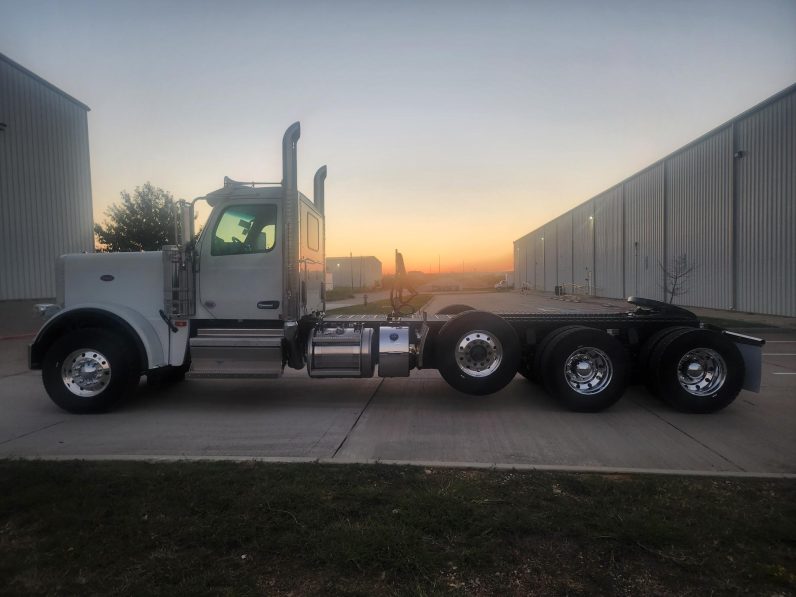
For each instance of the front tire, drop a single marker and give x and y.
(89, 370)
(479, 352)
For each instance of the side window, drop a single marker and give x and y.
(313, 232)
(245, 229)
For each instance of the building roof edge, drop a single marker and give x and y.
(44, 82)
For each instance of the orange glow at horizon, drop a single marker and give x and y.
(453, 232)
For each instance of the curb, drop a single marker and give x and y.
(599, 470)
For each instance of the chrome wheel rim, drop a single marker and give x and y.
(588, 370)
(86, 372)
(701, 371)
(479, 353)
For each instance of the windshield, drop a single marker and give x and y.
(245, 229)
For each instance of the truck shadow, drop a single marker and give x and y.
(424, 391)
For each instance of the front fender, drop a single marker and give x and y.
(148, 342)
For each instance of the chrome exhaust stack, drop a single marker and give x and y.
(290, 238)
(318, 189)
(289, 159)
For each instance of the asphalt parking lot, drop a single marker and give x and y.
(419, 419)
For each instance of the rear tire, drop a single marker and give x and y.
(643, 366)
(697, 371)
(477, 352)
(585, 369)
(537, 369)
(89, 370)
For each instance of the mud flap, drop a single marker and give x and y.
(751, 349)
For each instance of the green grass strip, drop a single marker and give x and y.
(381, 307)
(103, 528)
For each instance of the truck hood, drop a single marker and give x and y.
(130, 279)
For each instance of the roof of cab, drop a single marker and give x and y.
(237, 192)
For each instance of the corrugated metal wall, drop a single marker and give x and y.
(550, 252)
(538, 248)
(608, 227)
(530, 261)
(766, 189)
(522, 259)
(45, 183)
(699, 220)
(564, 228)
(583, 242)
(644, 234)
(725, 205)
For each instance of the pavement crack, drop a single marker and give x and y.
(688, 435)
(4, 375)
(13, 439)
(367, 404)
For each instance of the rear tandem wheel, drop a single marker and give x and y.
(585, 369)
(531, 368)
(696, 370)
(643, 371)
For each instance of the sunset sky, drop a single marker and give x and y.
(449, 129)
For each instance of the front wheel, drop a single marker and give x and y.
(478, 352)
(88, 370)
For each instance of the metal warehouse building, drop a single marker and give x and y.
(45, 181)
(357, 272)
(725, 205)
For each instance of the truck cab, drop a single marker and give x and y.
(227, 302)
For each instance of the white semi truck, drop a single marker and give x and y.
(246, 299)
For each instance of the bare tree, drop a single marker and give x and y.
(676, 276)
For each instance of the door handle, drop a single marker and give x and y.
(268, 305)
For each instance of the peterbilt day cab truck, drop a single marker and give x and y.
(246, 299)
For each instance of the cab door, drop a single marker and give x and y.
(240, 265)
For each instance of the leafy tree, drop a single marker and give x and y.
(143, 221)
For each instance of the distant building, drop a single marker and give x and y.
(357, 272)
(722, 207)
(45, 182)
